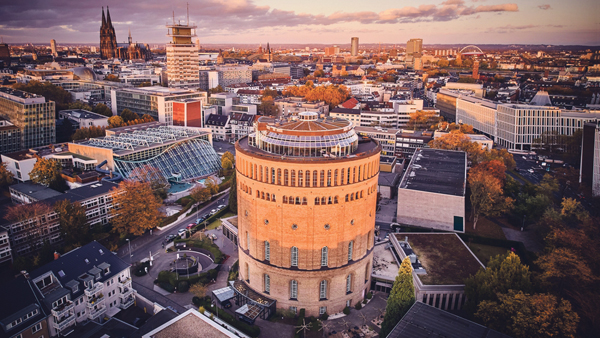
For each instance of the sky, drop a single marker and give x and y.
(552, 22)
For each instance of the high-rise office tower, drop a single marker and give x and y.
(476, 70)
(306, 213)
(53, 47)
(32, 114)
(354, 46)
(4, 55)
(414, 46)
(108, 37)
(182, 55)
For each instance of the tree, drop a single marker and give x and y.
(522, 315)
(199, 290)
(562, 268)
(89, 132)
(102, 109)
(73, 222)
(422, 119)
(216, 90)
(137, 209)
(443, 63)
(267, 106)
(200, 194)
(487, 198)
(493, 167)
(47, 172)
(319, 73)
(504, 272)
(270, 92)
(79, 105)
(548, 186)
(112, 78)
(211, 184)
(29, 216)
(115, 122)
(228, 159)
(6, 177)
(233, 206)
(401, 298)
(127, 115)
(158, 183)
(51, 92)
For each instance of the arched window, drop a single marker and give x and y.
(350, 248)
(293, 289)
(258, 193)
(357, 195)
(267, 251)
(315, 178)
(335, 177)
(361, 194)
(297, 200)
(304, 201)
(291, 199)
(349, 284)
(323, 290)
(322, 178)
(267, 283)
(293, 178)
(273, 198)
(330, 200)
(324, 258)
(300, 184)
(307, 183)
(286, 177)
(352, 196)
(346, 197)
(262, 194)
(343, 175)
(349, 181)
(294, 256)
(273, 176)
(359, 177)
(260, 172)
(329, 178)
(335, 200)
(317, 201)
(284, 199)
(268, 197)
(279, 176)
(323, 200)
(367, 272)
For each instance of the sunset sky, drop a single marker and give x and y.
(310, 21)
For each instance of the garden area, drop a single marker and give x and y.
(204, 304)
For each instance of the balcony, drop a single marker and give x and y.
(127, 302)
(65, 322)
(125, 292)
(95, 313)
(126, 282)
(90, 292)
(63, 309)
(99, 300)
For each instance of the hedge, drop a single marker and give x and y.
(171, 278)
(205, 244)
(140, 270)
(211, 218)
(251, 330)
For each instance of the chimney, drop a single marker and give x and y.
(25, 273)
(406, 239)
(56, 255)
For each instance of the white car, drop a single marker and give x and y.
(222, 206)
(181, 232)
(530, 170)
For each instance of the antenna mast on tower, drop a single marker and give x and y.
(188, 13)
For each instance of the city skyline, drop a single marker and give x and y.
(259, 21)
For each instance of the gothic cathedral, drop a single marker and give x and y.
(108, 38)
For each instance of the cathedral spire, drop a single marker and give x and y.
(108, 21)
(130, 35)
(103, 18)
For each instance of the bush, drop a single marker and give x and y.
(346, 310)
(167, 286)
(183, 286)
(364, 301)
(201, 309)
(358, 306)
(324, 316)
(196, 301)
(369, 295)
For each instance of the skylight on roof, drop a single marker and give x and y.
(87, 261)
(101, 252)
(61, 273)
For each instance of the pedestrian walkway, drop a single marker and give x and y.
(356, 318)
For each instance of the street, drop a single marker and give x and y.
(143, 245)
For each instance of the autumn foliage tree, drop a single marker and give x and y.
(422, 119)
(211, 184)
(401, 298)
(333, 95)
(486, 196)
(137, 208)
(115, 122)
(102, 109)
(227, 160)
(522, 315)
(47, 172)
(88, 132)
(6, 177)
(200, 194)
(73, 222)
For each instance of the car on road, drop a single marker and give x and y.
(222, 206)
(213, 211)
(170, 238)
(181, 232)
(191, 225)
(530, 171)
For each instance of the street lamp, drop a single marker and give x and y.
(129, 242)
(216, 307)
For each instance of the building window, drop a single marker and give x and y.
(322, 310)
(349, 284)
(36, 328)
(323, 290)
(349, 302)
(324, 256)
(294, 309)
(293, 289)
(267, 284)
(350, 247)
(267, 251)
(294, 256)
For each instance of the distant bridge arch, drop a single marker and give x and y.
(471, 50)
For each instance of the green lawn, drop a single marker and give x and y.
(217, 223)
(485, 252)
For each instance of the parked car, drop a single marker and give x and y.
(169, 238)
(172, 309)
(222, 206)
(191, 225)
(213, 211)
(226, 304)
(181, 232)
(530, 170)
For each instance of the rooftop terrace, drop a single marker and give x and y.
(445, 257)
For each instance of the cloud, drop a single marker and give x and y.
(544, 7)
(510, 28)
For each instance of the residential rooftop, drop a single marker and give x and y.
(190, 324)
(444, 256)
(83, 114)
(385, 265)
(35, 191)
(437, 171)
